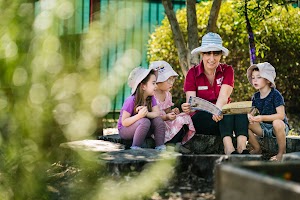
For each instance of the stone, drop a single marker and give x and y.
(258, 180)
(295, 156)
(148, 143)
(130, 155)
(292, 143)
(118, 160)
(212, 144)
(201, 165)
(133, 160)
(93, 146)
(269, 145)
(205, 144)
(204, 165)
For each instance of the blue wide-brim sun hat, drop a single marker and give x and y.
(211, 42)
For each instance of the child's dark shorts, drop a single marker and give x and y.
(268, 130)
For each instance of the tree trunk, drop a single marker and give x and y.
(192, 30)
(183, 53)
(214, 12)
(94, 10)
(250, 36)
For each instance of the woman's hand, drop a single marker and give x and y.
(186, 107)
(176, 111)
(171, 116)
(217, 118)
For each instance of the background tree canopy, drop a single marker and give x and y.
(277, 41)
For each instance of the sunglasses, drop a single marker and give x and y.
(215, 53)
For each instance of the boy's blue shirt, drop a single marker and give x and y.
(268, 105)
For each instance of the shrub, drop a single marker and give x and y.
(277, 41)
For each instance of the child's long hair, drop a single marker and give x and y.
(139, 94)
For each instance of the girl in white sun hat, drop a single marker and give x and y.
(179, 126)
(139, 116)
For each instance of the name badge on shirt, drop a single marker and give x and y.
(202, 87)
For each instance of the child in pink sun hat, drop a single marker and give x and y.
(179, 126)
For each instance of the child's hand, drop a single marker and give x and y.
(176, 111)
(139, 108)
(257, 118)
(171, 116)
(252, 119)
(142, 111)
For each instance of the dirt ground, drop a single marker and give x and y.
(67, 182)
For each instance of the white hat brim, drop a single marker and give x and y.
(163, 77)
(211, 47)
(140, 78)
(249, 75)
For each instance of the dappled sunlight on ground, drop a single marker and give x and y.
(110, 131)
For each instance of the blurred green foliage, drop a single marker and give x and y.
(52, 91)
(277, 39)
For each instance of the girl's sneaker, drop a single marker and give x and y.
(136, 148)
(161, 148)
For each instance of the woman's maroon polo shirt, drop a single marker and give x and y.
(197, 81)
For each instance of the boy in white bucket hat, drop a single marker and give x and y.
(139, 116)
(179, 126)
(272, 120)
(214, 82)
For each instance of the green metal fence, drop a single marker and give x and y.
(152, 15)
(72, 28)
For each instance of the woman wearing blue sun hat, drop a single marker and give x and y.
(214, 82)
